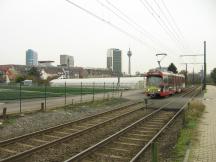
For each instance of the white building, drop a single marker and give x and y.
(45, 63)
(67, 60)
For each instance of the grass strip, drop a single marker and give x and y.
(189, 132)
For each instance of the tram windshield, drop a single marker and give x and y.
(154, 81)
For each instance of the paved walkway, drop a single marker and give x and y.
(205, 148)
(35, 104)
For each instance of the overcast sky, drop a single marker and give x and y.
(54, 27)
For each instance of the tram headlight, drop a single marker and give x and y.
(158, 90)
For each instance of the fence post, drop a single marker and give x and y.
(146, 103)
(104, 87)
(42, 107)
(65, 91)
(154, 152)
(4, 113)
(184, 117)
(81, 92)
(121, 94)
(113, 90)
(45, 95)
(20, 97)
(93, 91)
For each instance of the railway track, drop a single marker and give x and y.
(19, 147)
(129, 143)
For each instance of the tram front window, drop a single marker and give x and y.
(154, 81)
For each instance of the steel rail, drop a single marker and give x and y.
(136, 157)
(87, 151)
(15, 139)
(30, 151)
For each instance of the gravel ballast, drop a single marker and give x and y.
(16, 126)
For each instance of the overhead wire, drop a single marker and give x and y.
(110, 24)
(120, 17)
(161, 22)
(174, 22)
(173, 28)
(166, 18)
(137, 26)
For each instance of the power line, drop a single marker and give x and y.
(160, 22)
(120, 17)
(136, 25)
(174, 22)
(166, 18)
(109, 9)
(163, 23)
(128, 18)
(109, 23)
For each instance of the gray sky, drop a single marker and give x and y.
(54, 27)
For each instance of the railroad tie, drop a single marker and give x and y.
(133, 139)
(51, 136)
(39, 140)
(73, 129)
(140, 135)
(89, 124)
(117, 149)
(25, 145)
(65, 133)
(113, 156)
(8, 150)
(126, 143)
(80, 126)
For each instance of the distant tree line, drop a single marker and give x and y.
(196, 77)
(33, 74)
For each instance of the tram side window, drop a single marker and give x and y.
(165, 79)
(170, 81)
(178, 81)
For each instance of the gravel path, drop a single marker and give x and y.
(71, 147)
(16, 126)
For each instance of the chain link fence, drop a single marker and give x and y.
(20, 98)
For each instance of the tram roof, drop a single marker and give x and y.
(155, 72)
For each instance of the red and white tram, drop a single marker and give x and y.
(163, 83)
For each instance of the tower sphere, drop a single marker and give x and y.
(129, 53)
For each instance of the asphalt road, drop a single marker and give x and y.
(35, 104)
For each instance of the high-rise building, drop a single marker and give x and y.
(114, 60)
(67, 60)
(31, 58)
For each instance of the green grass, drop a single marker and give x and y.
(188, 133)
(12, 92)
(100, 103)
(8, 121)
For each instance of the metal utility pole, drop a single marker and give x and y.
(68, 66)
(193, 76)
(204, 63)
(186, 73)
(204, 78)
(190, 63)
(186, 77)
